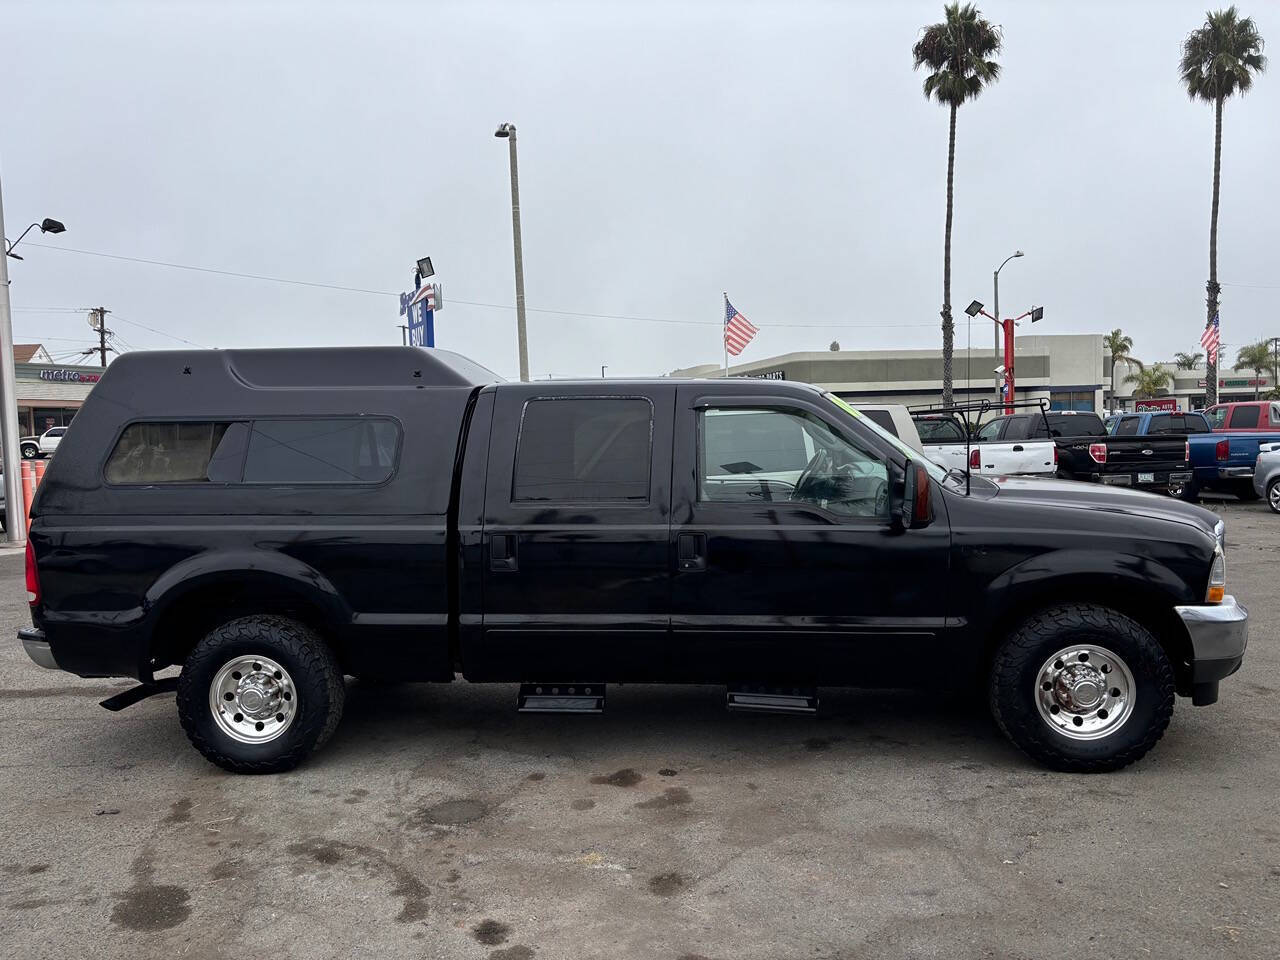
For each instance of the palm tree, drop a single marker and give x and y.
(1255, 357)
(1187, 361)
(1149, 381)
(1121, 349)
(958, 53)
(1218, 60)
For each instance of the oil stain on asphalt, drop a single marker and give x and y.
(625, 777)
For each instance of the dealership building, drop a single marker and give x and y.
(1070, 371)
(49, 394)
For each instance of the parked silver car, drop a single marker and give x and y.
(1266, 474)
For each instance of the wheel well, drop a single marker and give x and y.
(189, 619)
(1149, 608)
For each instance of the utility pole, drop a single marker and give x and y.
(100, 314)
(15, 524)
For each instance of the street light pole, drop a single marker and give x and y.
(995, 308)
(15, 523)
(508, 131)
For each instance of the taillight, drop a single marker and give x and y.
(975, 459)
(33, 577)
(1186, 451)
(1098, 452)
(1223, 449)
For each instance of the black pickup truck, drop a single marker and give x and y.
(272, 520)
(1155, 463)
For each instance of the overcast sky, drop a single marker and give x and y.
(782, 152)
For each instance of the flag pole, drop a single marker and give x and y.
(724, 312)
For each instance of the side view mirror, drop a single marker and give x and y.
(916, 508)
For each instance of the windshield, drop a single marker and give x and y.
(909, 453)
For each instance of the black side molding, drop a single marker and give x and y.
(140, 692)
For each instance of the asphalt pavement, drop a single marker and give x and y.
(439, 823)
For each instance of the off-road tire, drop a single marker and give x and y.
(316, 676)
(1015, 669)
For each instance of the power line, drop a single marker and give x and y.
(469, 303)
(162, 333)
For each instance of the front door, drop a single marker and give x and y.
(789, 568)
(576, 536)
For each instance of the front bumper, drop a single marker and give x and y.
(1219, 634)
(37, 647)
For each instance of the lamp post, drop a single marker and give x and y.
(507, 131)
(995, 308)
(15, 524)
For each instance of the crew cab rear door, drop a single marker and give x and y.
(575, 543)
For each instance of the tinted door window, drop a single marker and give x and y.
(351, 450)
(881, 419)
(990, 431)
(1076, 425)
(750, 456)
(1128, 426)
(940, 431)
(1242, 418)
(1195, 423)
(584, 448)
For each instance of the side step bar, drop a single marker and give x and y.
(560, 698)
(763, 699)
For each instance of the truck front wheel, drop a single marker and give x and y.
(1082, 688)
(259, 693)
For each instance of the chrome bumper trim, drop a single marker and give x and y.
(37, 648)
(1217, 631)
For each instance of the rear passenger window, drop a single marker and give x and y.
(350, 450)
(1244, 417)
(1128, 426)
(584, 448)
(190, 452)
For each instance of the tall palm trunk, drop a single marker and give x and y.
(1212, 288)
(948, 328)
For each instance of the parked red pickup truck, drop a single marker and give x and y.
(1260, 415)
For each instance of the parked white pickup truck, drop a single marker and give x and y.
(1000, 446)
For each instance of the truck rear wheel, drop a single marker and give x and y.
(259, 693)
(1082, 688)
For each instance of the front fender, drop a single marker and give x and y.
(1082, 575)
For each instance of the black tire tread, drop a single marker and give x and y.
(306, 647)
(1026, 729)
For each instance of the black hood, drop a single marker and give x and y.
(1104, 498)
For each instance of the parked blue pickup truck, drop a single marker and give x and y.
(1224, 462)
(1157, 422)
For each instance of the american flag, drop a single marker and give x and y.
(425, 292)
(738, 330)
(1210, 341)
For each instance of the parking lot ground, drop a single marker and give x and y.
(439, 823)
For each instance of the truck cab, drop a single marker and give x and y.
(1261, 416)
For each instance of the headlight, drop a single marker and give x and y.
(1217, 577)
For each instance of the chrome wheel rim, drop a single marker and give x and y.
(1085, 692)
(1273, 496)
(253, 699)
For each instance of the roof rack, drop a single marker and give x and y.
(981, 407)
